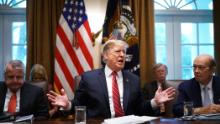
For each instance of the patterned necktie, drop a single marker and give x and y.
(207, 99)
(116, 97)
(12, 104)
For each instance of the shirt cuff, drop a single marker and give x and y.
(68, 107)
(153, 104)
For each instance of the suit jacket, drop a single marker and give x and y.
(32, 101)
(92, 93)
(149, 90)
(190, 91)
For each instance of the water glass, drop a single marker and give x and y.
(80, 114)
(188, 108)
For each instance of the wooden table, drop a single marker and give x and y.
(99, 121)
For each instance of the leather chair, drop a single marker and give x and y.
(42, 84)
(169, 105)
(76, 82)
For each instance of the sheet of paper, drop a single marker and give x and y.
(130, 119)
(24, 118)
(207, 115)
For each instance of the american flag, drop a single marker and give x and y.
(74, 50)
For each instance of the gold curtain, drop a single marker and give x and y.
(143, 11)
(42, 19)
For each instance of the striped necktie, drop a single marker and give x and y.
(116, 96)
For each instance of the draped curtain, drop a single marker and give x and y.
(143, 11)
(42, 19)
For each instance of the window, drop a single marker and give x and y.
(13, 42)
(183, 30)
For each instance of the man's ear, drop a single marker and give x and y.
(104, 57)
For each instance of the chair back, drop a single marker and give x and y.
(42, 84)
(169, 105)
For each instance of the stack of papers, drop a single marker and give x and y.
(202, 117)
(12, 119)
(28, 118)
(130, 119)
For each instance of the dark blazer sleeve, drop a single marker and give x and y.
(3, 90)
(134, 102)
(188, 91)
(149, 90)
(178, 106)
(92, 93)
(216, 87)
(33, 101)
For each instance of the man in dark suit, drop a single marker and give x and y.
(96, 89)
(19, 98)
(160, 72)
(202, 90)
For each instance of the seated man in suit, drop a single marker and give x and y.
(111, 91)
(160, 72)
(19, 98)
(202, 90)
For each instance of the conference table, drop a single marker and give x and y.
(99, 121)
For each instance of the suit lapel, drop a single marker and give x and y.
(103, 84)
(215, 88)
(126, 84)
(3, 90)
(23, 97)
(196, 91)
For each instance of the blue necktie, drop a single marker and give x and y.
(207, 99)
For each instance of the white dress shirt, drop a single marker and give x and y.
(7, 99)
(119, 78)
(210, 91)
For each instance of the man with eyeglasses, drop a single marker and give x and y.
(202, 90)
(19, 98)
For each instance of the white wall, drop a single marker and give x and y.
(96, 14)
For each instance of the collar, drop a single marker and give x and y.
(108, 71)
(209, 85)
(10, 93)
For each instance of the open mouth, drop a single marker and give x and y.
(121, 61)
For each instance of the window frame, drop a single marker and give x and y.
(173, 19)
(7, 16)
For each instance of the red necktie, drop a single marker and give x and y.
(12, 104)
(116, 96)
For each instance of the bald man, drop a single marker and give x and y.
(202, 90)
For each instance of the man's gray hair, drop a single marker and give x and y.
(15, 64)
(158, 65)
